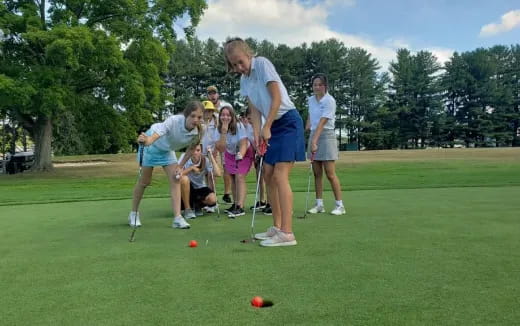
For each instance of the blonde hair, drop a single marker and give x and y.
(234, 44)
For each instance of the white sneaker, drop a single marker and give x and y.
(180, 223)
(133, 219)
(268, 234)
(316, 209)
(210, 209)
(189, 214)
(280, 239)
(339, 210)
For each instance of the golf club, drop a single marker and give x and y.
(261, 151)
(215, 190)
(141, 151)
(308, 188)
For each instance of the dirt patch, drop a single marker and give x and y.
(76, 164)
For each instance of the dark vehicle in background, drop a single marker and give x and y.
(17, 163)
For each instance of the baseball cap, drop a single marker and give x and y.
(208, 105)
(212, 89)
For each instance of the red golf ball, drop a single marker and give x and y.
(193, 243)
(257, 301)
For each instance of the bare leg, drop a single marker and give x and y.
(140, 186)
(175, 189)
(210, 200)
(285, 195)
(330, 170)
(242, 189)
(317, 167)
(273, 195)
(185, 191)
(228, 181)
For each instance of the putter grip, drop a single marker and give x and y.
(141, 152)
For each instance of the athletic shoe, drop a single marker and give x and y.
(189, 214)
(280, 239)
(210, 209)
(230, 209)
(267, 234)
(199, 212)
(316, 209)
(339, 210)
(259, 205)
(268, 210)
(227, 198)
(180, 223)
(133, 219)
(238, 211)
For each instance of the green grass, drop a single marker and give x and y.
(424, 243)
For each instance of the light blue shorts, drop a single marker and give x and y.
(154, 156)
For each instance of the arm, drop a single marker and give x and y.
(147, 140)
(308, 124)
(276, 100)
(317, 133)
(256, 121)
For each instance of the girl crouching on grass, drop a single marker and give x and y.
(159, 145)
(195, 191)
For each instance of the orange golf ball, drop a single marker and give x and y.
(193, 243)
(257, 301)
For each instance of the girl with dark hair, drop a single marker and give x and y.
(323, 145)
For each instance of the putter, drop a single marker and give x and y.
(308, 189)
(215, 191)
(261, 151)
(141, 151)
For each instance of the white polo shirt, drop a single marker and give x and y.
(324, 108)
(233, 141)
(174, 135)
(198, 179)
(254, 87)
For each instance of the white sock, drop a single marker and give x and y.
(339, 203)
(319, 202)
(179, 217)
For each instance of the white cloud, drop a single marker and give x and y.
(508, 21)
(289, 22)
(442, 54)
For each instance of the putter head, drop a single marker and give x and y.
(302, 217)
(249, 240)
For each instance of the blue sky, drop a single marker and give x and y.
(381, 27)
(452, 24)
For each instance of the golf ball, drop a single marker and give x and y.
(257, 301)
(193, 243)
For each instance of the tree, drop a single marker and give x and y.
(71, 58)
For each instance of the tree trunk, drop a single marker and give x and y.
(42, 140)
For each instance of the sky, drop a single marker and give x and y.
(379, 26)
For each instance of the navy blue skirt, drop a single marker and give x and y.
(287, 142)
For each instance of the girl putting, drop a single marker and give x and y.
(282, 131)
(160, 143)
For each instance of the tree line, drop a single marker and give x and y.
(84, 77)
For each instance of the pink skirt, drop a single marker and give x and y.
(243, 166)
